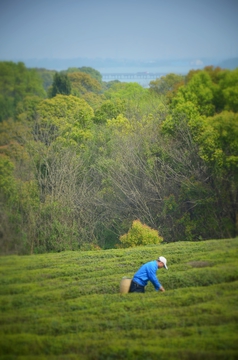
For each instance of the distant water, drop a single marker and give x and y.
(180, 69)
(161, 69)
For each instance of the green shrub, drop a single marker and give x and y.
(67, 305)
(140, 234)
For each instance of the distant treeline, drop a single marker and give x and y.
(108, 63)
(81, 159)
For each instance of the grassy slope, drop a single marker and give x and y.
(68, 306)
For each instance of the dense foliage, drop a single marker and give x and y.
(61, 85)
(67, 305)
(140, 234)
(16, 83)
(77, 168)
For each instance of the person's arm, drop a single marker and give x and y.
(153, 278)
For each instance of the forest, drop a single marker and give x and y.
(81, 160)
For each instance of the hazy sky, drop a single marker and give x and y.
(131, 29)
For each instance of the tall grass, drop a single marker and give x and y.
(67, 305)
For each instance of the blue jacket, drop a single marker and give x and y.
(147, 272)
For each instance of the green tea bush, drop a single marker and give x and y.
(140, 234)
(67, 305)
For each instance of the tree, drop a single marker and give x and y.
(224, 86)
(64, 119)
(72, 176)
(94, 100)
(92, 72)
(47, 77)
(140, 234)
(230, 90)
(215, 139)
(17, 82)
(202, 90)
(61, 85)
(125, 91)
(218, 144)
(82, 83)
(167, 85)
(109, 110)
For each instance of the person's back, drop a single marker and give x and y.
(147, 272)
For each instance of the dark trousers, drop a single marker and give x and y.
(136, 287)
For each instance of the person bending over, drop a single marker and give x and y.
(147, 272)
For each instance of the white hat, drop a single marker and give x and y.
(164, 261)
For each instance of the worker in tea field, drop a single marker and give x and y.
(147, 272)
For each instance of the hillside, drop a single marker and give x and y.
(67, 305)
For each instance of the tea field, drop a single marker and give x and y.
(67, 305)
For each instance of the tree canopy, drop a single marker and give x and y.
(17, 82)
(61, 85)
(82, 83)
(79, 168)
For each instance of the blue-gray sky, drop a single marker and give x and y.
(129, 29)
